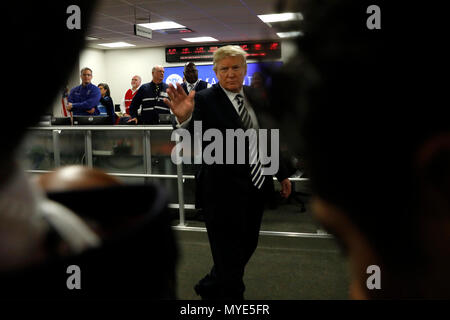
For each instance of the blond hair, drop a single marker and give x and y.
(228, 51)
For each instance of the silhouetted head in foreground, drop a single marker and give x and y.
(51, 47)
(75, 216)
(366, 106)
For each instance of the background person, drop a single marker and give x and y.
(129, 95)
(83, 99)
(259, 82)
(150, 97)
(106, 106)
(191, 80)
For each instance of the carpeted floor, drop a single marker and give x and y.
(282, 268)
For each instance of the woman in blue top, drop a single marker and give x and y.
(106, 106)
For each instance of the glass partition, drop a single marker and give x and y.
(118, 151)
(142, 154)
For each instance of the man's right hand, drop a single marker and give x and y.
(132, 120)
(181, 104)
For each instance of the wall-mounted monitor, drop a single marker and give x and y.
(206, 72)
(255, 50)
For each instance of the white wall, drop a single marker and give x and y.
(123, 64)
(72, 81)
(117, 67)
(95, 60)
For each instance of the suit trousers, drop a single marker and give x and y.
(233, 223)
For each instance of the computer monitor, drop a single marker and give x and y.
(91, 120)
(61, 121)
(44, 120)
(165, 118)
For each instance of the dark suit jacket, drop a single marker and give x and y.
(201, 85)
(215, 110)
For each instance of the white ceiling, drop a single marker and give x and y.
(225, 20)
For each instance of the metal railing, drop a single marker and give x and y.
(147, 160)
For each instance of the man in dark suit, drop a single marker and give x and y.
(232, 194)
(192, 81)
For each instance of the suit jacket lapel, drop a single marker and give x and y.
(254, 101)
(226, 108)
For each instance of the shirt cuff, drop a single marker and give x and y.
(183, 125)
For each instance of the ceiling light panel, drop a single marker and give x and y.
(163, 25)
(290, 34)
(116, 44)
(281, 17)
(200, 39)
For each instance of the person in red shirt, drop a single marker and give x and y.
(129, 95)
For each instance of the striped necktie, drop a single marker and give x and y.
(255, 164)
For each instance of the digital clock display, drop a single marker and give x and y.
(257, 50)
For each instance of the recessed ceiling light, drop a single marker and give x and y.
(163, 25)
(116, 44)
(199, 39)
(291, 34)
(280, 17)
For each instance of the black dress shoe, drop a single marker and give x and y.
(198, 290)
(206, 291)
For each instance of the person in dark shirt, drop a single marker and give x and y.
(150, 97)
(191, 80)
(106, 106)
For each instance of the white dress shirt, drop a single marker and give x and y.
(231, 96)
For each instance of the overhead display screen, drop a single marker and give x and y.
(255, 50)
(174, 75)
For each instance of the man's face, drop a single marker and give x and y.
(86, 77)
(231, 72)
(135, 82)
(257, 81)
(191, 73)
(158, 75)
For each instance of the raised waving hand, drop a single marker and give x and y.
(181, 104)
